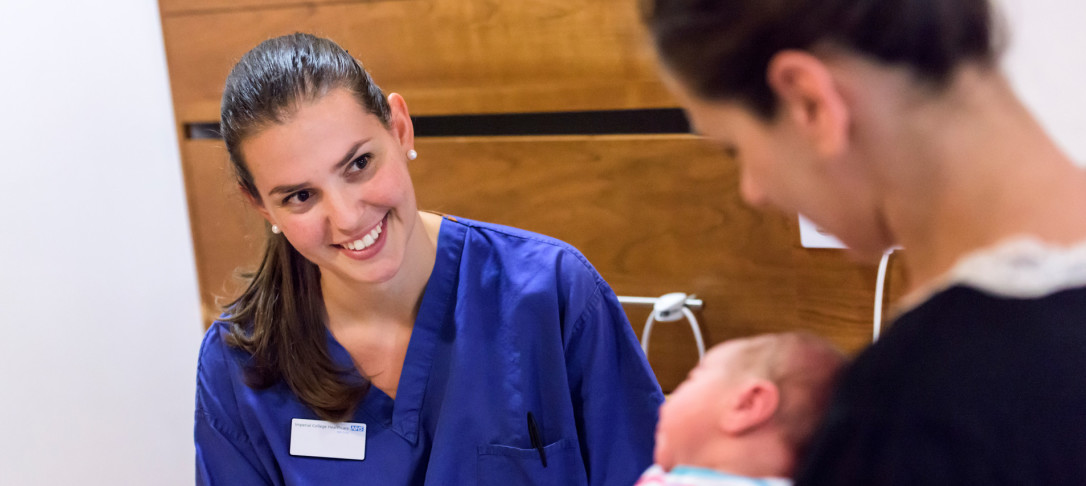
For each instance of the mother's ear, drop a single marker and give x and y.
(808, 95)
(400, 122)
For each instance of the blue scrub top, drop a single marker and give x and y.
(511, 322)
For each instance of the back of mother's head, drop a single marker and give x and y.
(721, 49)
(267, 84)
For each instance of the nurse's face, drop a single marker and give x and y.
(689, 417)
(334, 179)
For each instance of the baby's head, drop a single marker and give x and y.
(750, 406)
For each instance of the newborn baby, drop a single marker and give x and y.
(745, 413)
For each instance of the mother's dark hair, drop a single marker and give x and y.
(279, 318)
(721, 49)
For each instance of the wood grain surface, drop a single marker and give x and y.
(653, 213)
(659, 214)
(204, 7)
(444, 56)
(227, 234)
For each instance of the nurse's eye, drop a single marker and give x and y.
(359, 164)
(731, 151)
(297, 198)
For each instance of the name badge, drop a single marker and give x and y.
(317, 438)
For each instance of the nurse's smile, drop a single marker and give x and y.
(366, 244)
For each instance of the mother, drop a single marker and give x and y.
(888, 122)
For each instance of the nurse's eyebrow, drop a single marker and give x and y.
(350, 155)
(290, 188)
(287, 189)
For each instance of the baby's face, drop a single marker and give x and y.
(690, 414)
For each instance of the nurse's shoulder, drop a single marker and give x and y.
(216, 350)
(220, 371)
(540, 272)
(535, 250)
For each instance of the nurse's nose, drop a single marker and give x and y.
(344, 211)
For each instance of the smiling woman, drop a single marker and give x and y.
(333, 175)
(435, 337)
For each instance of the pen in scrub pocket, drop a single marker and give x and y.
(536, 438)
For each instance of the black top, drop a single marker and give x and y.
(969, 388)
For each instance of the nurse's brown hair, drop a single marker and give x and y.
(280, 317)
(720, 49)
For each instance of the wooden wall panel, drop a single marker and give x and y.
(201, 7)
(658, 214)
(444, 56)
(227, 234)
(654, 214)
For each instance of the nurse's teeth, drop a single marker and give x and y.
(366, 241)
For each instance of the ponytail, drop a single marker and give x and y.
(280, 318)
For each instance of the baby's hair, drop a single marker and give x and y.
(804, 367)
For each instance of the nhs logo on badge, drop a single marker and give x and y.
(317, 438)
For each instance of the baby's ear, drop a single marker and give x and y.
(751, 406)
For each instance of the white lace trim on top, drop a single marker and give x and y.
(1022, 268)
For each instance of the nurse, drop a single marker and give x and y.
(378, 344)
(889, 122)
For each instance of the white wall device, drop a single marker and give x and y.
(811, 236)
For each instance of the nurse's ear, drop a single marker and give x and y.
(400, 122)
(809, 97)
(257, 204)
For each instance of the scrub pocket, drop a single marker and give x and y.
(503, 466)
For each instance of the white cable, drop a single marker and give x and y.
(646, 333)
(697, 332)
(665, 311)
(880, 285)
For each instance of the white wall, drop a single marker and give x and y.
(1046, 62)
(98, 301)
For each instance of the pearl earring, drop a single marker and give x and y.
(412, 154)
(275, 229)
